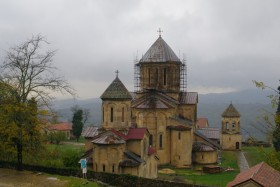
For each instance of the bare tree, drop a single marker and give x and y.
(29, 70)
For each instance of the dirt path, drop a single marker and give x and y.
(242, 162)
(13, 178)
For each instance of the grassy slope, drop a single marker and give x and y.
(255, 155)
(197, 177)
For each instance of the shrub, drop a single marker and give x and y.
(71, 159)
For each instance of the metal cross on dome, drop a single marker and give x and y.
(159, 31)
(117, 72)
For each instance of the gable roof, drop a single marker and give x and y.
(202, 122)
(183, 121)
(197, 133)
(63, 126)
(230, 111)
(116, 90)
(108, 137)
(212, 133)
(188, 98)
(160, 52)
(90, 132)
(131, 159)
(154, 99)
(261, 173)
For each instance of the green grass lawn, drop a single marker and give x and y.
(77, 182)
(255, 155)
(196, 176)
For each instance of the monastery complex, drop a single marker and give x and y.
(156, 124)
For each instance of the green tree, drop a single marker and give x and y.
(273, 158)
(276, 131)
(29, 72)
(78, 124)
(56, 137)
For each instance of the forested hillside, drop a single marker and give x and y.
(249, 103)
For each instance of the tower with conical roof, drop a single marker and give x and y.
(160, 69)
(231, 138)
(116, 106)
(162, 105)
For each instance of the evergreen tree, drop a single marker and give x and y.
(78, 124)
(276, 131)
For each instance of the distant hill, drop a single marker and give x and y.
(249, 103)
(63, 108)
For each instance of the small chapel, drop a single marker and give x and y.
(154, 125)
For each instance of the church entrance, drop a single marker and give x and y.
(237, 145)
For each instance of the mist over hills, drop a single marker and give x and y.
(249, 103)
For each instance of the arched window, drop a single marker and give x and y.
(233, 126)
(113, 168)
(227, 125)
(160, 141)
(122, 114)
(103, 167)
(151, 140)
(179, 135)
(112, 114)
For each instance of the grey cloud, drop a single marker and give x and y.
(220, 39)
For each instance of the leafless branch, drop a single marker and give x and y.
(30, 71)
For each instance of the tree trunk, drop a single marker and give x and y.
(19, 156)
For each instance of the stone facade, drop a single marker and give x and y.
(206, 157)
(231, 138)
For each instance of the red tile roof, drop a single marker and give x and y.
(261, 173)
(151, 150)
(136, 133)
(119, 134)
(202, 122)
(64, 126)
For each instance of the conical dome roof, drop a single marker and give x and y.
(231, 112)
(116, 90)
(160, 52)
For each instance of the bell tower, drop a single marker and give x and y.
(231, 138)
(116, 106)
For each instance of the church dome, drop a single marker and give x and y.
(160, 52)
(116, 90)
(231, 112)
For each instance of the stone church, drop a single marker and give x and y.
(155, 124)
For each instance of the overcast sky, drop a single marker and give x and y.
(227, 44)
